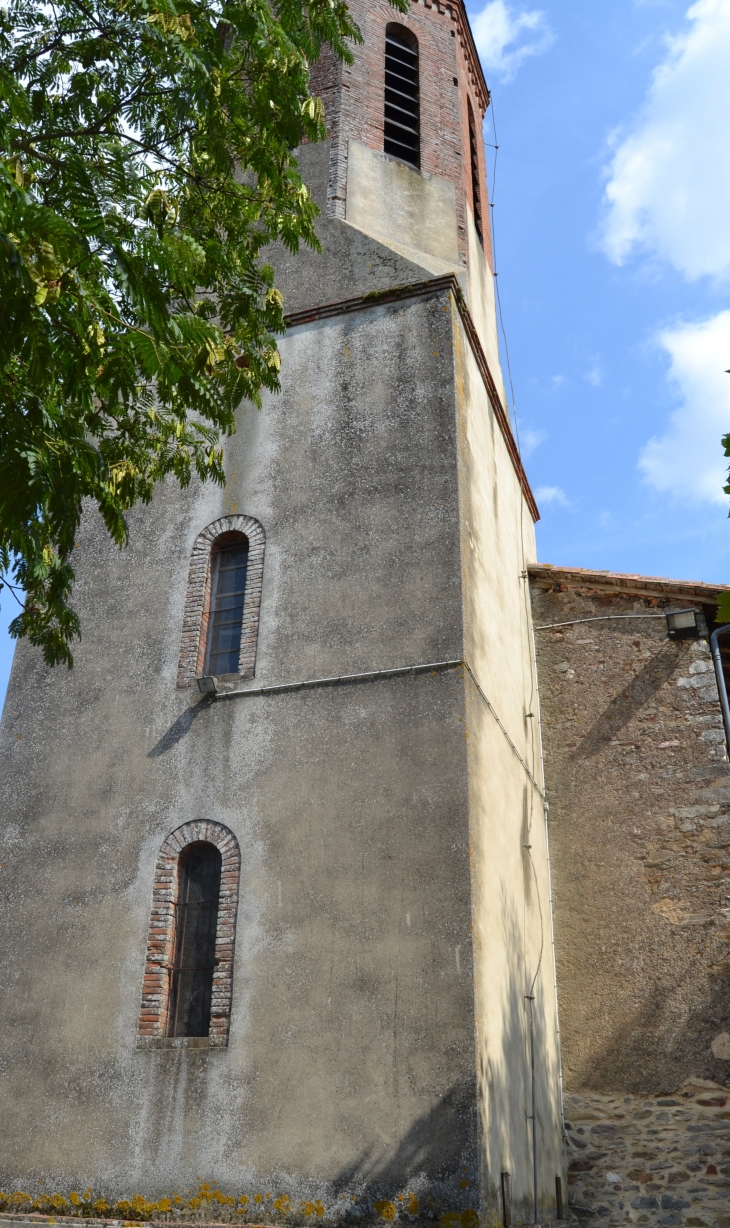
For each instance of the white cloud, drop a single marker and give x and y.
(669, 180)
(687, 459)
(529, 440)
(594, 374)
(505, 37)
(552, 494)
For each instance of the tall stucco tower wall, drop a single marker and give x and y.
(384, 930)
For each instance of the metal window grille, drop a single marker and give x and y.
(402, 126)
(196, 924)
(476, 193)
(230, 564)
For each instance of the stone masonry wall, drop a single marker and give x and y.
(661, 1160)
(638, 785)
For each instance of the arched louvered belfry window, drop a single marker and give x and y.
(196, 923)
(476, 187)
(229, 567)
(402, 134)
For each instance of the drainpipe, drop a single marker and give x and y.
(720, 676)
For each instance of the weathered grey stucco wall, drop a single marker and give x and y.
(353, 1003)
(382, 825)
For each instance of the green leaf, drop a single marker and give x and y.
(723, 608)
(145, 164)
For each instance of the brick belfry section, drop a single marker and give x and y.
(392, 932)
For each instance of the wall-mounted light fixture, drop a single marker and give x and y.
(207, 686)
(683, 625)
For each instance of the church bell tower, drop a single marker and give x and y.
(277, 907)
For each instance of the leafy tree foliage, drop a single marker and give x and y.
(145, 162)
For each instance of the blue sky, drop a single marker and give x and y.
(612, 227)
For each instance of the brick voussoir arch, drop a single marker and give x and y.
(197, 597)
(154, 1017)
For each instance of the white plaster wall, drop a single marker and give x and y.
(511, 910)
(408, 210)
(480, 300)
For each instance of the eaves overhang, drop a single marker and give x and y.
(615, 582)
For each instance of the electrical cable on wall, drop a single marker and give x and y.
(533, 702)
(495, 147)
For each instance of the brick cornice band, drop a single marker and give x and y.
(466, 38)
(154, 1016)
(197, 598)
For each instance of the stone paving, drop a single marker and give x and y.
(654, 1160)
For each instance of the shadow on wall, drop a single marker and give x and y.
(438, 1156)
(655, 674)
(672, 975)
(654, 1051)
(179, 728)
(505, 1074)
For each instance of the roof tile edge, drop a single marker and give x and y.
(660, 586)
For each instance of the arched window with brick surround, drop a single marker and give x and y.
(223, 600)
(188, 977)
(401, 127)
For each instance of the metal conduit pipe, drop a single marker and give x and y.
(720, 676)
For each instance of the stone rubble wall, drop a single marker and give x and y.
(657, 1160)
(638, 784)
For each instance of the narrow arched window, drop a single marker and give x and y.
(402, 121)
(196, 924)
(476, 190)
(223, 600)
(187, 988)
(228, 591)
